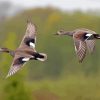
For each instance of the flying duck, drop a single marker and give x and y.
(26, 51)
(83, 39)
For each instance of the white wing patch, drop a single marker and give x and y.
(32, 45)
(25, 59)
(89, 34)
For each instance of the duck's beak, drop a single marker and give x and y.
(57, 33)
(0, 50)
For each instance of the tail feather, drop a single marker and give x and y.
(40, 56)
(97, 36)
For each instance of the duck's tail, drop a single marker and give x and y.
(40, 56)
(96, 36)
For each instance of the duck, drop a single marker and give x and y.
(84, 39)
(26, 50)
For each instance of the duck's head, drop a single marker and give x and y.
(60, 32)
(4, 50)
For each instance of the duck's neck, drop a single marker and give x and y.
(11, 52)
(68, 33)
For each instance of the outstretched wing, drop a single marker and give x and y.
(29, 39)
(17, 63)
(80, 49)
(90, 45)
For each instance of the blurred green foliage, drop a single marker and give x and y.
(61, 77)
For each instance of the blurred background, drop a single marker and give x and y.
(61, 77)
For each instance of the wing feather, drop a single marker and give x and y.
(30, 36)
(80, 48)
(16, 65)
(90, 45)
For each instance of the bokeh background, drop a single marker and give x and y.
(61, 77)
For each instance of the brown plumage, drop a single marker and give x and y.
(26, 51)
(83, 39)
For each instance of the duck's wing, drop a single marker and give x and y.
(17, 63)
(29, 39)
(80, 48)
(90, 45)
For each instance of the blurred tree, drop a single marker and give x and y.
(61, 62)
(15, 89)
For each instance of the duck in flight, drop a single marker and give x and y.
(26, 51)
(84, 39)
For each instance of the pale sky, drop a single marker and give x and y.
(61, 4)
